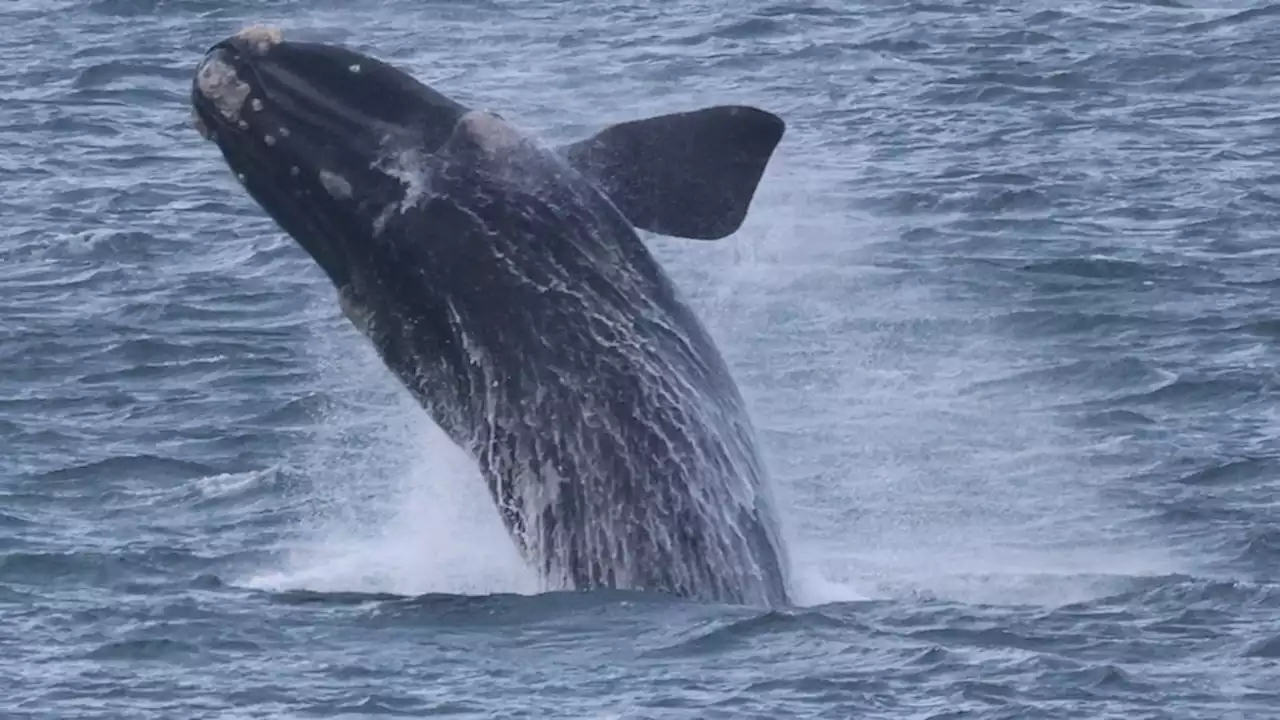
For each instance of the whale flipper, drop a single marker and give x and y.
(690, 174)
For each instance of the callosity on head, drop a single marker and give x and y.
(307, 128)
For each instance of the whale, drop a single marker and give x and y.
(504, 281)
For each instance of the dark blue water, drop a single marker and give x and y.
(1007, 312)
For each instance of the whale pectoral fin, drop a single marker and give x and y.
(689, 174)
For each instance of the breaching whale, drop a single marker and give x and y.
(505, 285)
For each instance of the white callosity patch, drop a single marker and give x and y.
(260, 38)
(218, 82)
(337, 185)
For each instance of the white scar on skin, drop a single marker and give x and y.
(335, 184)
(218, 82)
(260, 38)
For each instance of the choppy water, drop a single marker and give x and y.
(1007, 311)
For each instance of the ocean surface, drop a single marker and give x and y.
(1006, 311)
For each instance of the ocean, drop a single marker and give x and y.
(1006, 312)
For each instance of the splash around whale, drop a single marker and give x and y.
(504, 283)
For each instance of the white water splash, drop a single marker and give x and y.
(894, 476)
(399, 508)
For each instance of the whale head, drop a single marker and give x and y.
(307, 129)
